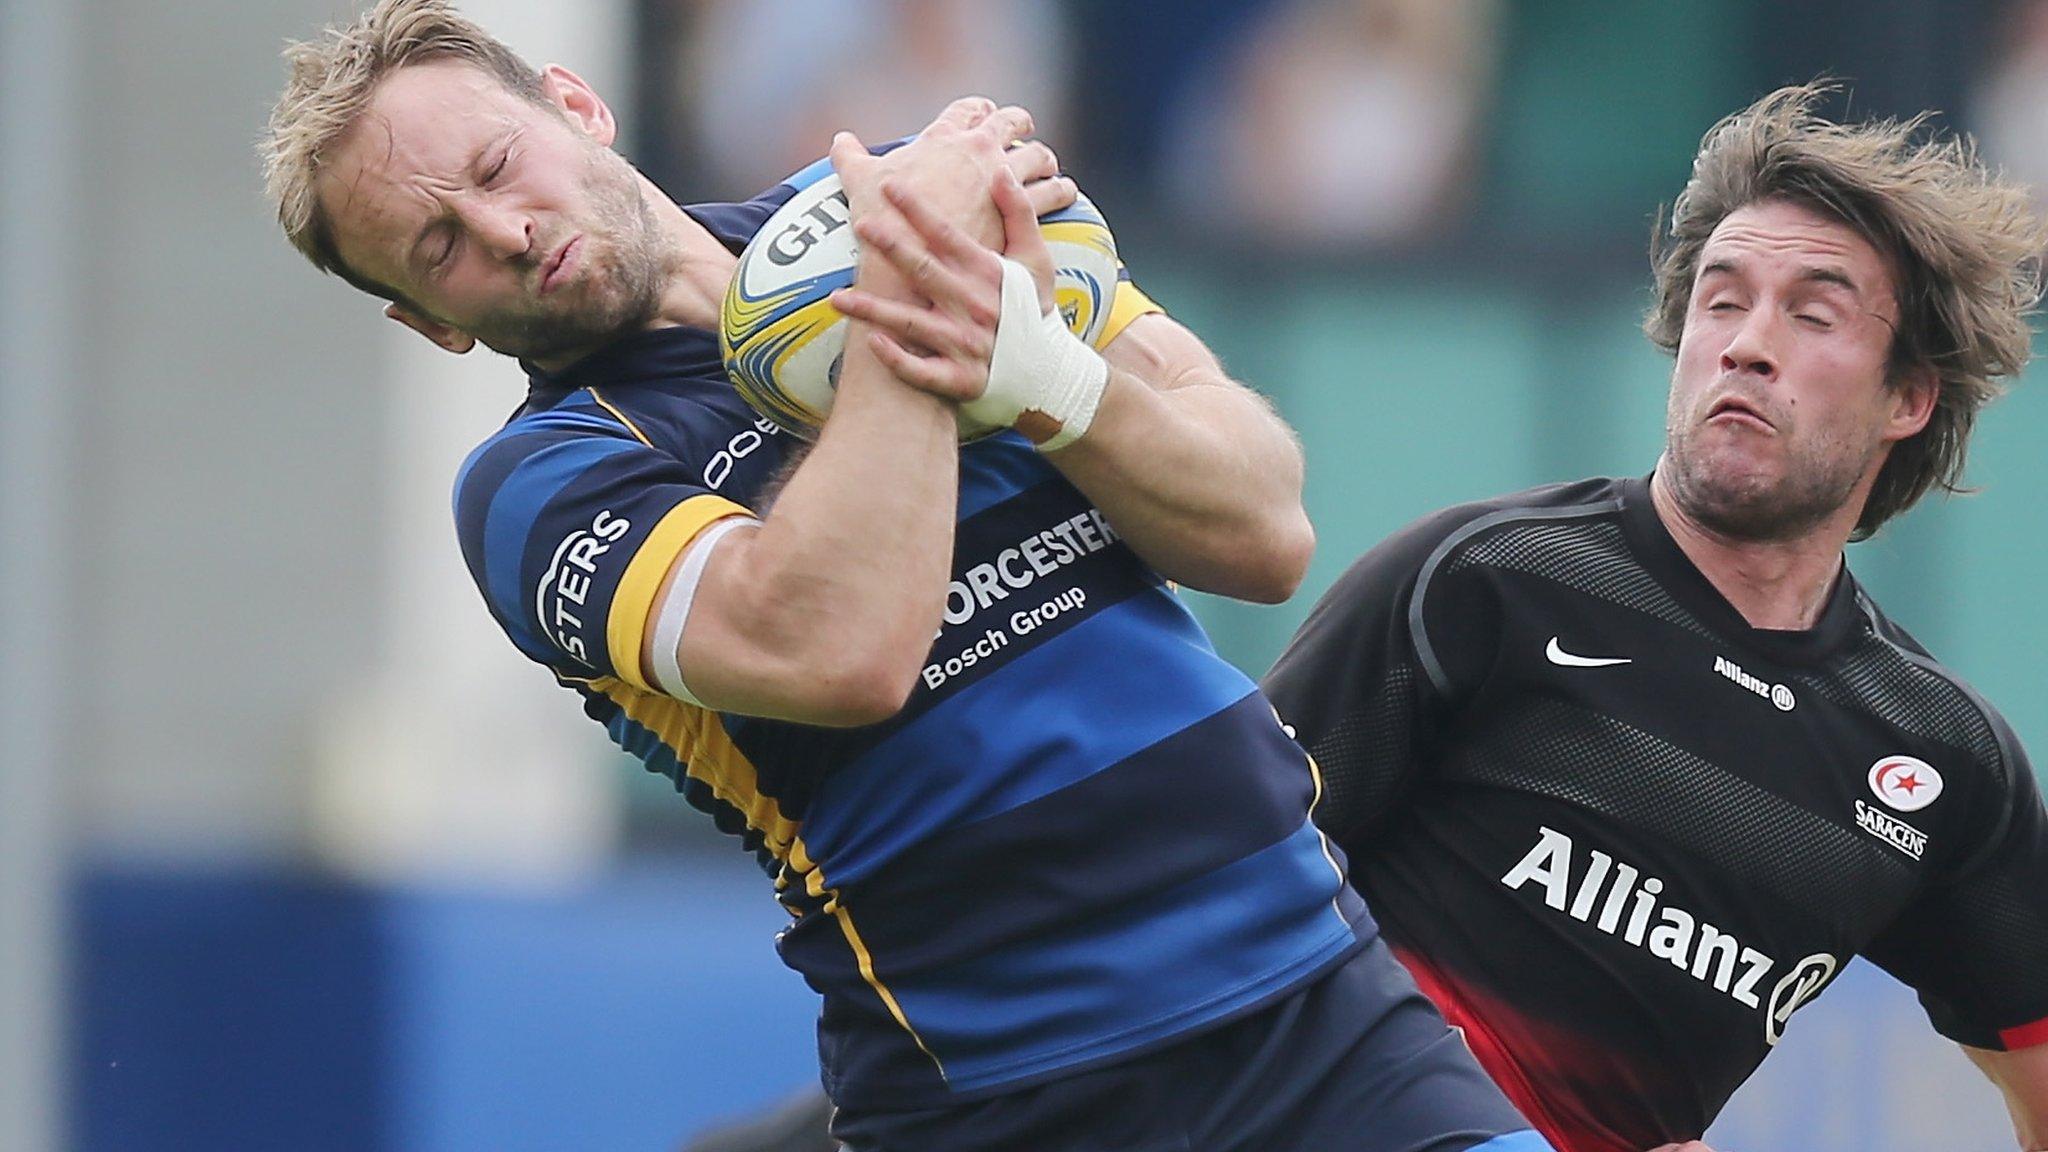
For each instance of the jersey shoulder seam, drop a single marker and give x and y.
(1425, 652)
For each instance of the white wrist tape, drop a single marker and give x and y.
(674, 611)
(1043, 380)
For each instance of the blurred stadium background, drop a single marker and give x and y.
(297, 854)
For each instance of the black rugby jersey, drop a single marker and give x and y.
(1620, 835)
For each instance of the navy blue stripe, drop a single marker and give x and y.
(994, 578)
(1194, 953)
(1064, 711)
(477, 486)
(1228, 787)
(655, 754)
(995, 469)
(568, 419)
(858, 1037)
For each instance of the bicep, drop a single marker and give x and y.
(693, 592)
(743, 641)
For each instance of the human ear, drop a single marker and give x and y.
(580, 103)
(443, 335)
(1913, 400)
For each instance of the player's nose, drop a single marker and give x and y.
(1751, 348)
(503, 230)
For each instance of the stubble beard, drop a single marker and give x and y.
(617, 291)
(1718, 489)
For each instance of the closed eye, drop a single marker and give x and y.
(442, 254)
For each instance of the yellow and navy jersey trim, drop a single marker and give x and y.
(1129, 303)
(689, 744)
(633, 604)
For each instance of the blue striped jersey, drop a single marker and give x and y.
(1086, 835)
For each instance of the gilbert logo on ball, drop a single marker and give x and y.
(782, 340)
(1905, 783)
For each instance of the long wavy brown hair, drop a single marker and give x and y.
(1964, 245)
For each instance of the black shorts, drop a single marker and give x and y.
(1357, 1062)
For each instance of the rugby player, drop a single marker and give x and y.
(1629, 769)
(1066, 895)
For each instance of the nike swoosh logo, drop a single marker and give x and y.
(1565, 659)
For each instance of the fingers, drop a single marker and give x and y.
(1007, 124)
(946, 378)
(848, 154)
(1038, 169)
(933, 269)
(1031, 160)
(926, 330)
(966, 112)
(1022, 241)
(1050, 195)
(941, 234)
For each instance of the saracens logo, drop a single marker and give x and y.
(1905, 783)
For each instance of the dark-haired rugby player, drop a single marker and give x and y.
(1629, 769)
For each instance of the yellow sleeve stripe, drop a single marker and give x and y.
(626, 627)
(1127, 305)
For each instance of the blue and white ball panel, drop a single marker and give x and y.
(782, 340)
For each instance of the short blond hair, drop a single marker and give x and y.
(331, 80)
(1964, 246)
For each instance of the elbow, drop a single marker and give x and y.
(832, 665)
(1276, 572)
(861, 693)
(852, 682)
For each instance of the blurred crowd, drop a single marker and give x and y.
(1222, 112)
(1343, 128)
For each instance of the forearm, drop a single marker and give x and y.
(828, 610)
(1201, 479)
(2022, 1077)
(860, 539)
(1195, 472)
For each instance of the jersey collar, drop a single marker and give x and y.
(657, 354)
(1839, 621)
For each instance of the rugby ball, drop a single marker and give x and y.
(782, 340)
